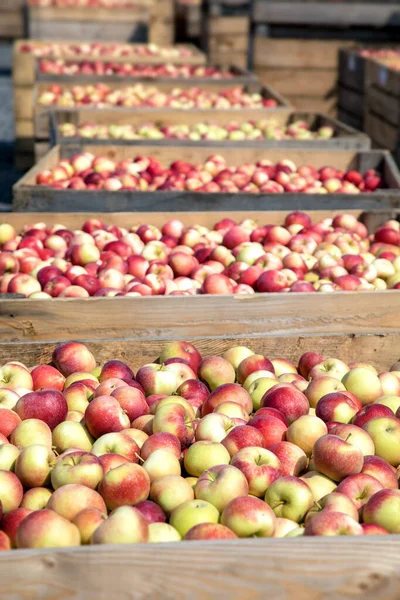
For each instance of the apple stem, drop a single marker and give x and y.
(139, 457)
(348, 437)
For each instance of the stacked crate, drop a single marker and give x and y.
(30, 145)
(151, 20)
(226, 27)
(11, 19)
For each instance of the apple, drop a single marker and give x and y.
(87, 521)
(70, 499)
(355, 436)
(383, 509)
(210, 531)
(8, 421)
(249, 517)
(191, 513)
(11, 522)
(15, 375)
(151, 512)
(321, 386)
(292, 458)
(46, 376)
(228, 392)
(161, 441)
(288, 400)
(359, 488)
(170, 491)
(319, 484)
(336, 458)
(33, 466)
(163, 532)
(183, 350)
(260, 467)
(31, 431)
(332, 523)
(220, 484)
(336, 406)
(71, 434)
(215, 371)
(127, 484)
(11, 491)
(72, 357)
(160, 463)
(334, 502)
(242, 436)
(46, 529)
(125, 525)
(203, 455)
(36, 498)
(254, 362)
(364, 384)
(289, 497)
(83, 468)
(157, 379)
(381, 470)
(176, 419)
(105, 415)
(272, 428)
(306, 431)
(385, 433)
(236, 355)
(49, 406)
(8, 457)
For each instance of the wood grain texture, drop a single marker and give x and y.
(382, 350)
(294, 53)
(383, 104)
(208, 219)
(168, 317)
(341, 568)
(300, 81)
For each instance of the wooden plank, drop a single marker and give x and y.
(207, 219)
(27, 196)
(171, 317)
(223, 57)
(384, 134)
(350, 119)
(380, 75)
(351, 101)
(344, 137)
(352, 69)
(23, 103)
(228, 25)
(228, 43)
(314, 103)
(106, 32)
(382, 350)
(300, 82)
(383, 104)
(86, 13)
(345, 568)
(290, 53)
(375, 14)
(11, 24)
(24, 129)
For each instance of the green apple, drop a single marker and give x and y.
(187, 515)
(204, 455)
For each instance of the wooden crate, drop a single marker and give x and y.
(26, 108)
(345, 137)
(29, 197)
(364, 566)
(24, 64)
(374, 14)
(11, 23)
(83, 23)
(227, 39)
(305, 70)
(197, 316)
(240, 77)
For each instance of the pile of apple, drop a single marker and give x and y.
(196, 448)
(142, 173)
(232, 258)
(141, 95)
(122, 69)
(87, 3)
(380, 52)
(99, 49)
(265, 129)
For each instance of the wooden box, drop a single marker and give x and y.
(24, 64)
(345, 137)
(340, 567)
(196, 316)
(29, 197)
(304, 70)
(151, 19)
(240, 77)
(345, 13)
(39, 115)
